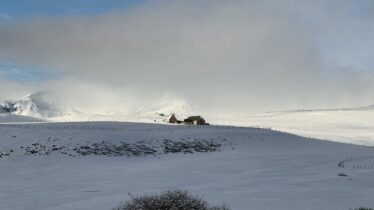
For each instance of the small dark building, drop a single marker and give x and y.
(195, 120)
(173, 119)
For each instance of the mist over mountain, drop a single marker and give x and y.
(35, 105)
(44, 105)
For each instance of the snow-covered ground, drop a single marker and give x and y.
(49, 163)
(349, 125)
(342, 125)
(251, 169)
(13, 118)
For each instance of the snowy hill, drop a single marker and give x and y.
(33, 105)
(13, 118)
(361, 108)
(350, 125)
(46, 106)
(95, 165)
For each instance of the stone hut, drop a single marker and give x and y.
(173, 119)
(195, 120)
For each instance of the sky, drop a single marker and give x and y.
(32, 8)
(215, 57)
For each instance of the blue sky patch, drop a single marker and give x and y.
(21, 8)
(15, 72)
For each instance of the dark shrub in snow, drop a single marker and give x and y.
(363, 208)
(169, 200)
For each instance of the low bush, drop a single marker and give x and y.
(169, 200)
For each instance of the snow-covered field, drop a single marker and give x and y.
(349, 125)
(95, 165)
(13, 118)
(354, 125)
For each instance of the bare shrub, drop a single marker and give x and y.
(168, 200)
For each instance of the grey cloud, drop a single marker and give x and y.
(224, 57)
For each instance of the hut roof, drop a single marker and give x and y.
(195, 118)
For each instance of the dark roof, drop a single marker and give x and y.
(195, 118)
(173, 117)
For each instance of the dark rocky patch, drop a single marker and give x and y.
(122, 149)
(195, 145)
(131, 149)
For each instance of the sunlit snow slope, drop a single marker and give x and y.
(95, 165)
(353, 125)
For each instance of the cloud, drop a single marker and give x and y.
(222, 57)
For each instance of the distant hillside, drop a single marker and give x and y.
(34, 105)
(361, 108)
(13, 118)
(43, 105)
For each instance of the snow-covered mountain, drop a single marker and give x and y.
(47, 106)
(34, 105)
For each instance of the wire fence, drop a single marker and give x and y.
(162, 128)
